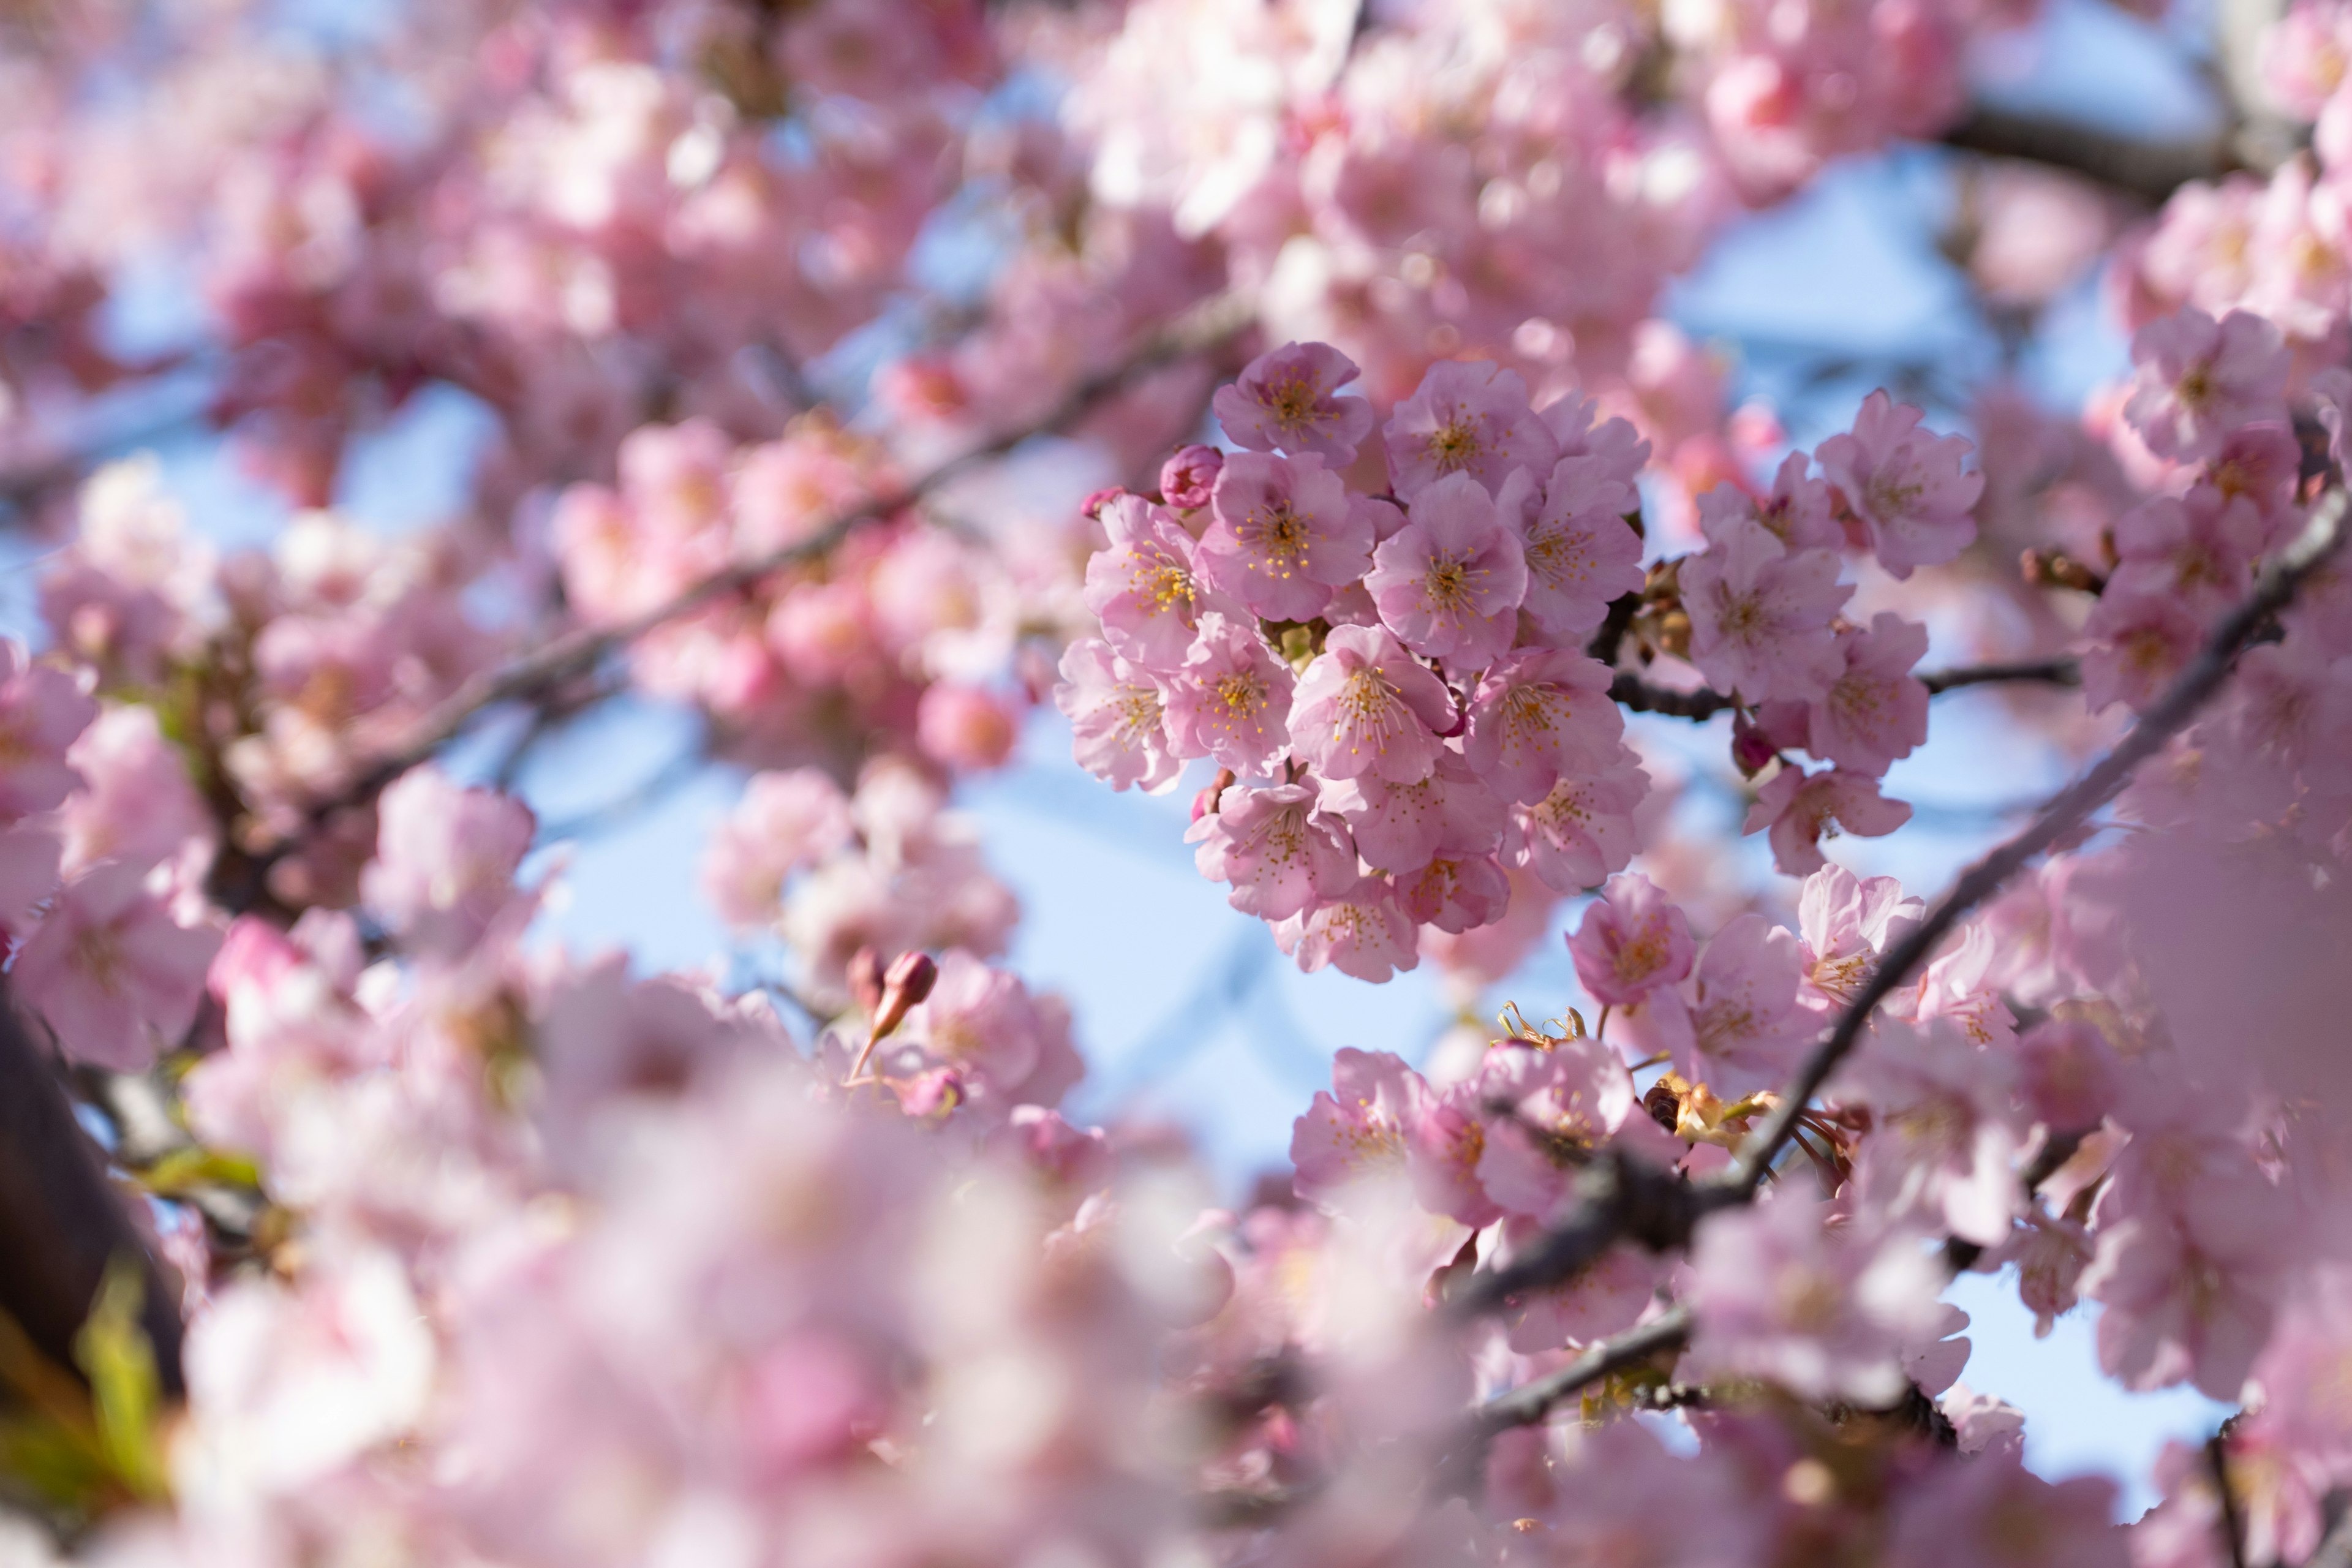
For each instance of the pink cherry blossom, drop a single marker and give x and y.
(1803, 809)
(1466, 417)
(1281, 854)
(1455, 894)
(1799, 511)
(1231, 700)
(1579, 552)
(2138, 643)
(1634, 939)
(1363, 931)
(1365, 707)
(2199, 550)
(1540, 716)
(1401, 828)
(1449, 583)
(2200, 378)
(1119, 717)
(982, 1022)
(1583, 831)
(1761, 616)
(1285, 536)
(110, 971)
(1905, 484)
(1143, 587)
(967, 728)
(1876, 712)
(1285, 401)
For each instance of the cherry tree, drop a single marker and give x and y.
(1276, 404)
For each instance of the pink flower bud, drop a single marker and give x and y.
(1751, 748)
(967, 728)
(1205, 803)
(1188, 476)
(1092, 506)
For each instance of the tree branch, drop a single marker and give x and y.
(1632, 691)
(1532, 1402)
(1625, 1201)
(61, 1222)
(2148, 172)
(1206, 325)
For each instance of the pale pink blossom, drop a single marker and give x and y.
(1361, 1129)
(1634, 939)
(1231, 698)
(1366, 707)
(1906, 484)
(1285, 536)
(966, 727)
(2051, 1254)
(1402, 827)
(1117, 718)
(1876, 711)
(1285, 400)
(1540, 716)
(1803, 809)
(1944, 1140)
(1745, 1028)
(42, 711)
(1579, 552)
(1466, 417)
(1281, 854)
(1956, 986)
(1827, 1313)
(1800, 513)
(1606, 1297)
(445, 860)
(784, 823)
(1363, 931)
(1449, 583)
(1143, 587)
(111, 974)
(2200, 378)
(980, 1021)
(1761, 616)
(2261, 464)
(2191, 1295)
(1549, 1112)
(137, 803)
(1983, 1424)
(1844, 924)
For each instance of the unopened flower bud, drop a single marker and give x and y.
(1206, 800)
(906, 981)
(1187, 477)
(1092, 506)
(1751, 748)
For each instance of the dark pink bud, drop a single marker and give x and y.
(1206, 800)
(1751, 748)
(1093, 505)
(1186, 478)
(866, 978)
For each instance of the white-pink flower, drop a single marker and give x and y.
(1583, 831)
(1363, 931)
(1402, 827)
(1143, 587)
(1634, 939)
(42, 710)
(1358, 1132)
(1580, 553)
(446, 859)
(784, 821)
(1281, 854)
(1117, 719)
(1945, 1131)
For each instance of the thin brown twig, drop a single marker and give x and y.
(1632, 691)
(2226, 1522)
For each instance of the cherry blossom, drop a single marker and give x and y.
(1119, 716)
(1366, 708)
(1539, 717)
(1876, 711)
(1803, 809)
(1449, 583)
(2200, 378)
(110, 972)
(1467, 418)
(1761, 616)
(1143, 587)
(1231, 700)
(1285, 536)
(1905, 486)
(1285, 401)
(1632, 941)
(1282, 854)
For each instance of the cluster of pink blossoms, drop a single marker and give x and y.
(1397, 688)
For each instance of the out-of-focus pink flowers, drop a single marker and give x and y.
(2200, 378)
(446, 859)
(114, 975)
(1905, 485)
(1287, 401)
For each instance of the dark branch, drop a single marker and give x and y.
(1532, 1402)
(60, 1221)
(2225, 1518)
(1632, 691)
(2148, 171)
